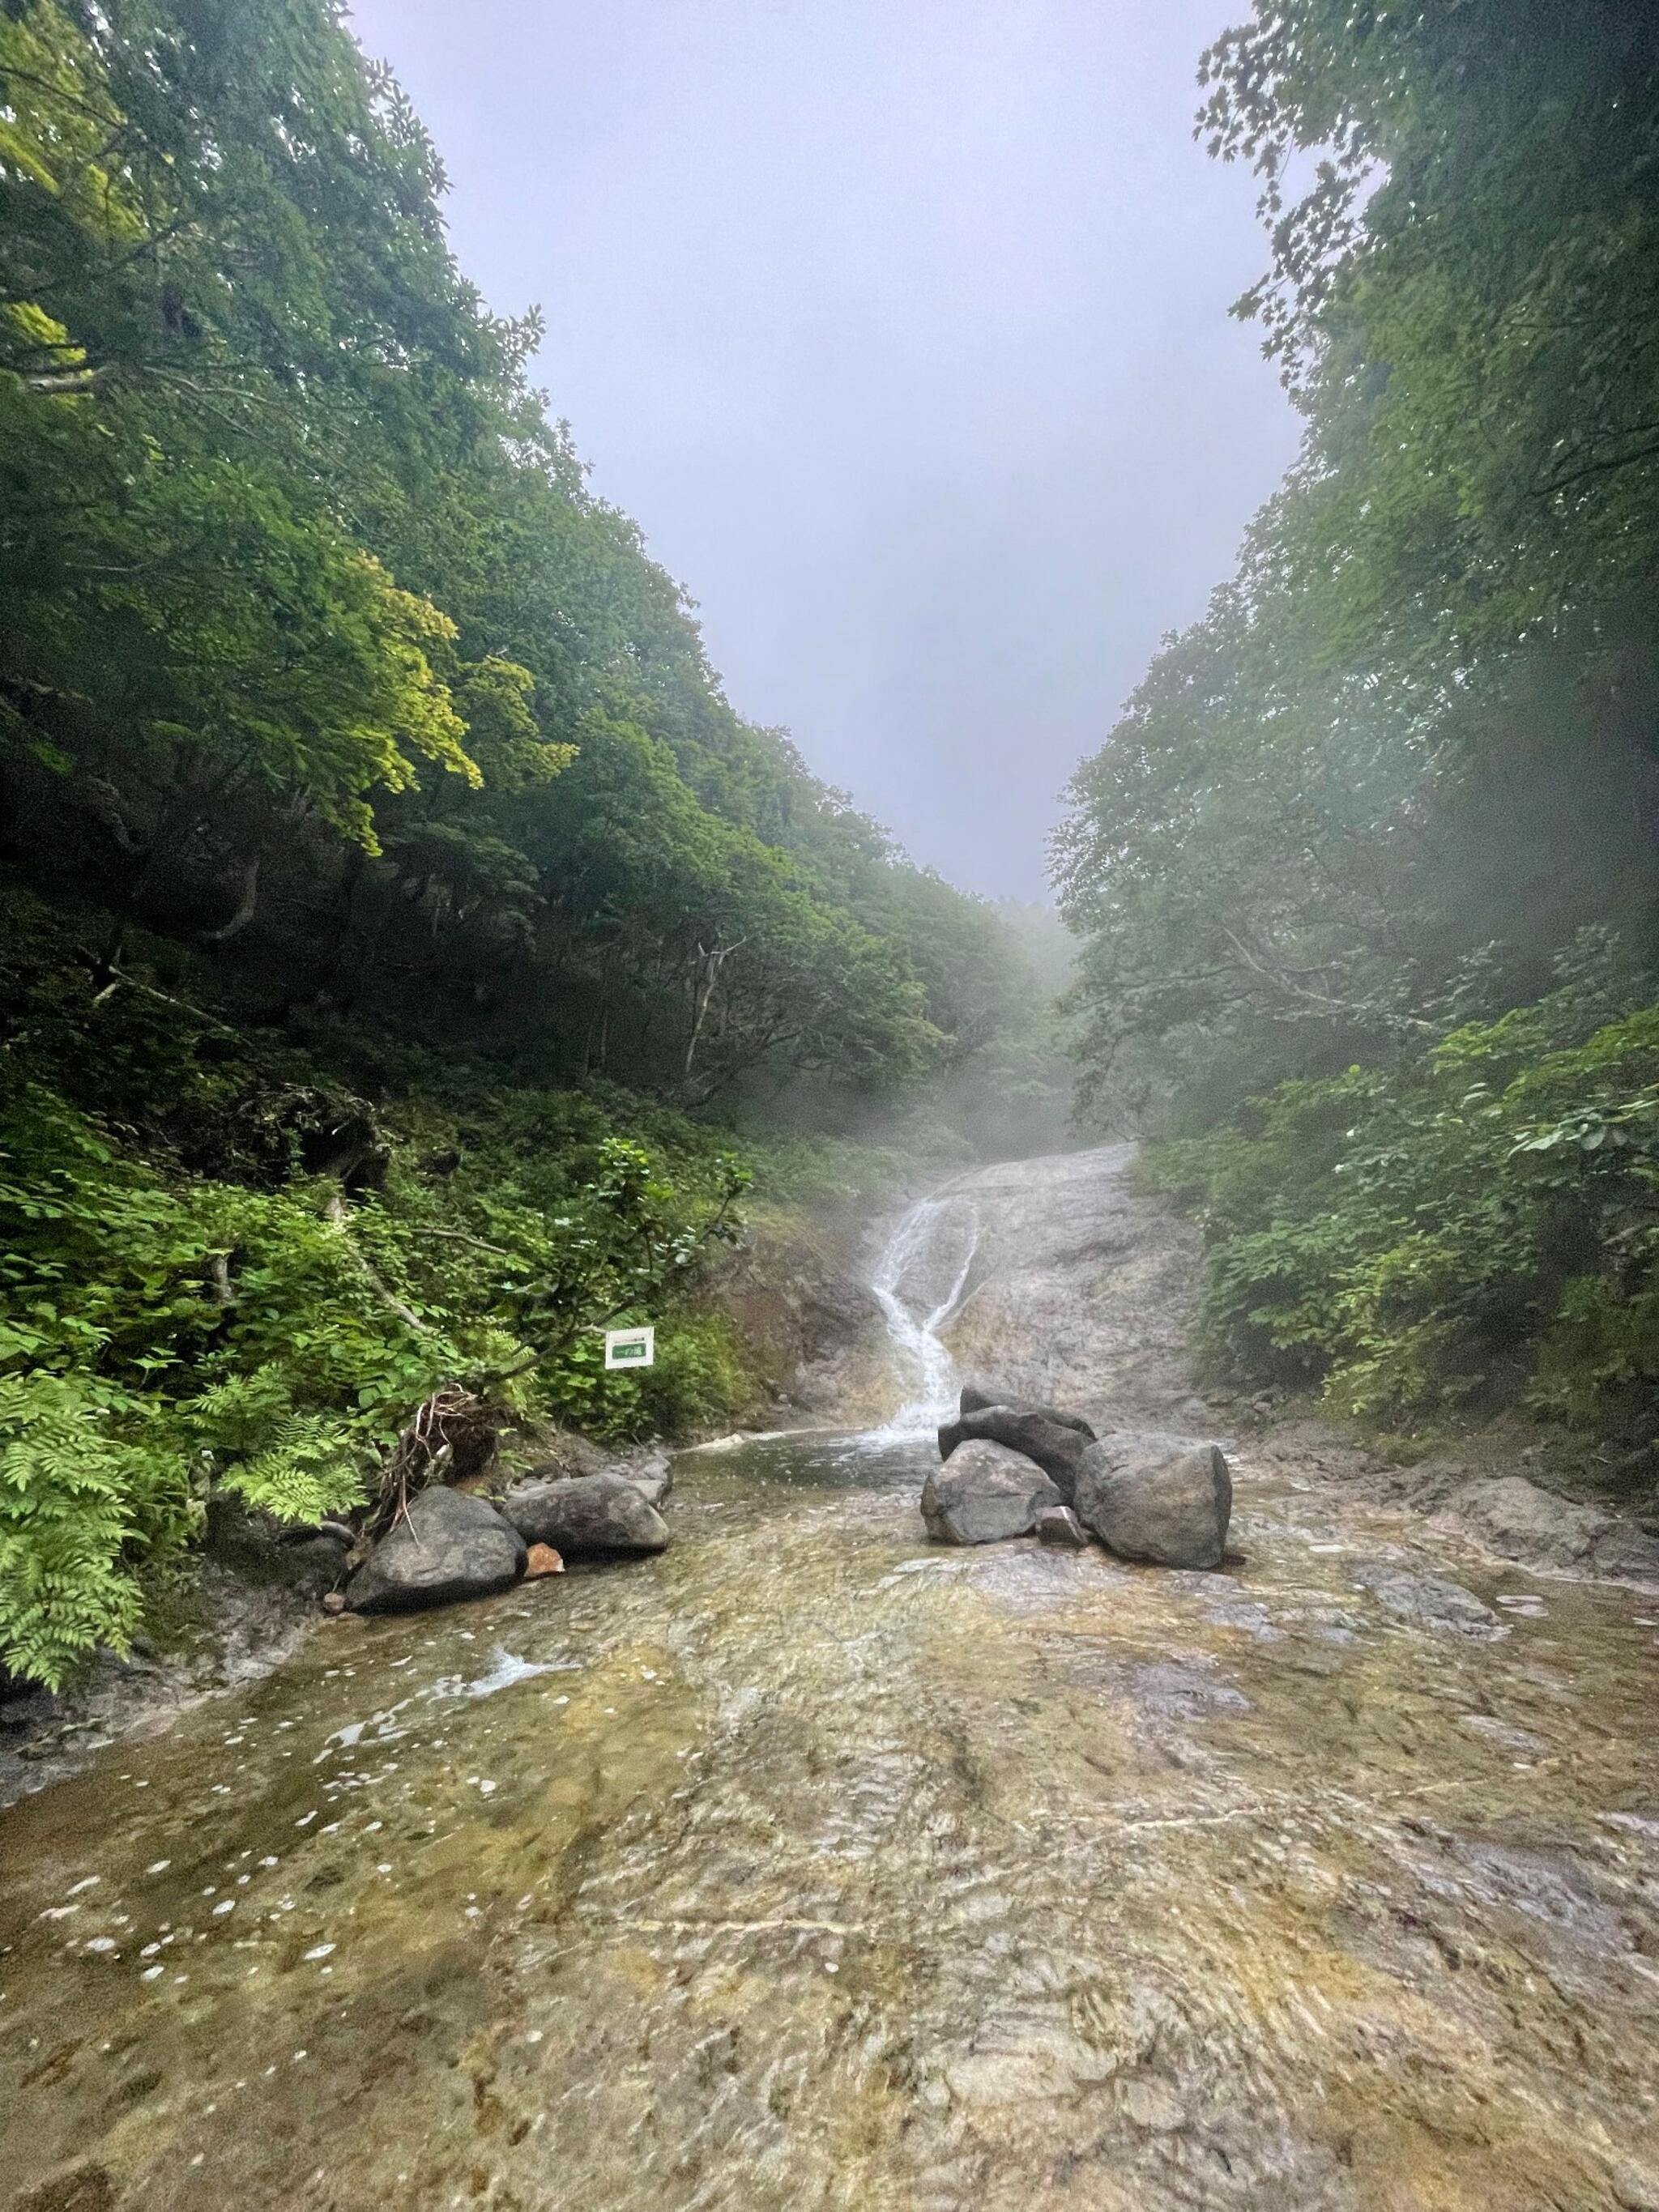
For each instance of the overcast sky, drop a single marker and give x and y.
(900, 327)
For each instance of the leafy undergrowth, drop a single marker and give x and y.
(227, 1267)
(1477, 1229)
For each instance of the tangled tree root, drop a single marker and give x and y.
(453, 1437)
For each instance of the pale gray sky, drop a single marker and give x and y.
(900, 327)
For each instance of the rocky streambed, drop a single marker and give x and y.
(811, 1862)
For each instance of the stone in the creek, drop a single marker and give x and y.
(1429, 1601)
(1058, 1526)
(1056, 1446)
(542, 1560)
(590, 1515)
(650, 1471)
(980, 1402)
(1153, 2106)
(447, 1545)
(1161, 1499)
(1635, 2187)
(985, 1494)
(652, 1475)
(85, 2187)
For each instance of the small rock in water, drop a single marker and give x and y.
(1161, 1499)
(334, 1602)
(650, 1470)
(653, 1476)
(1503, 1733)
(1060, 1526)
(1151, 2106)
(1636, 2187)
(542, 1560)
(985, 1494)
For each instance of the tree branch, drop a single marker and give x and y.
(336, 1211)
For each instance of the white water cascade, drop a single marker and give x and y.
(918, 1283)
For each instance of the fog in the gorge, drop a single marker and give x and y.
(901, 331)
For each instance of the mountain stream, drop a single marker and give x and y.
(810, 1865)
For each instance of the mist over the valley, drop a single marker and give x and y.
(829, 903)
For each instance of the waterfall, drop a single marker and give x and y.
(918, 1283)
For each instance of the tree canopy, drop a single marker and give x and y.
(319, 646)
(1403, 776)
(1416, 730)
(395, 894)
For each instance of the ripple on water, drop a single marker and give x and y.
(811, 1866)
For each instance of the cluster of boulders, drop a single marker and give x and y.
(1015, 1469)
(449, 1544)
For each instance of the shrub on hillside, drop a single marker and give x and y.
(1481, 1224)
(164, 1335)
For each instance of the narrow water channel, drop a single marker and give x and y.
(812, 1865)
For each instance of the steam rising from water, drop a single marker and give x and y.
(918, 1283)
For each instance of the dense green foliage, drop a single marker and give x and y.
(373, 814)
(1403, 778)
(228, 1269)
(1481, 1223)
(316, 647)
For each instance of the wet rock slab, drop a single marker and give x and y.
(1429, 1601)
(1515, 1517)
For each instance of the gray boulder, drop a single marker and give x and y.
(1162, 1498)
(588, 1515)
(447, 1547)
(1058, 1526)
(976, 1401)
(985, 1494)
(648, 1467)
(652, 1474)
(1056, 1446)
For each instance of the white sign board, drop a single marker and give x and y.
(630, 1347)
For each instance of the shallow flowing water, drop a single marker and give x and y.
(812, 1865)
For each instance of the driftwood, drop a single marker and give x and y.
(452, 1436)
